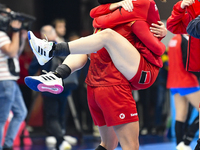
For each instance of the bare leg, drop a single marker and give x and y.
(124, 55)
(108, 137)
(181, 106)
(194, 99)
(128, 135)
(81, 60)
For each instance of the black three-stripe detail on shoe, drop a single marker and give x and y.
(44, 78)
(48, 78)
(40, 50)
(52, 77)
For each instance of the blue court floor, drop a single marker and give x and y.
(90, 143)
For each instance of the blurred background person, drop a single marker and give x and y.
(11, 97)
(184, 86)
(60, 26)
(193, 29)
(24, 62)
(153, 101)
(80, 95)
(54, 105)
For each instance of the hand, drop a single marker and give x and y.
(16, 24)
(126, 4)
(159, 29)
(185, 3)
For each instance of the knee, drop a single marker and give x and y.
(107, 35)
(136, 145)
(115, 143)
(110, 145)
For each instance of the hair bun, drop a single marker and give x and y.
(108, 1)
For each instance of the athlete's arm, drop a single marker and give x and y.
(193, 27)
(179, 19)
(120, 15)
(141, 30)
(108, 8)
(100, 10)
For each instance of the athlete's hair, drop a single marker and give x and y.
(114, 1)
(108, 1)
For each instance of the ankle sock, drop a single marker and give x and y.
(100, 148)
(179, 130)
(191, 131)
(60, 49)
(62, 71)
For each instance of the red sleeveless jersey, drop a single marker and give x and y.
(178, 77)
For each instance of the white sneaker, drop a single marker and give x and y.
(48, 82)
(40, 48)
(71, 140)
(65, 146)
(182, 146)
(144, 131)
(50, 141)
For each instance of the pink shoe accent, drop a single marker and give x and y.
(55, 89)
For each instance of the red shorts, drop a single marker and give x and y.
(145, 76)
(112, 105)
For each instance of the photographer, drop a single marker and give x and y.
(10, 97)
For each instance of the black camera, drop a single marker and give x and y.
(6, 17)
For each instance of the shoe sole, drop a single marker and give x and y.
(41, 87)
(29, 40)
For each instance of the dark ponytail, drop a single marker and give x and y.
(108, 1)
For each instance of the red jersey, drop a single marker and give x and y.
(102, 71)
(178, 77)
(24, 61)
(177, 24)
(150, 47)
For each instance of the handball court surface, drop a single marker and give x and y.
(89, 142)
